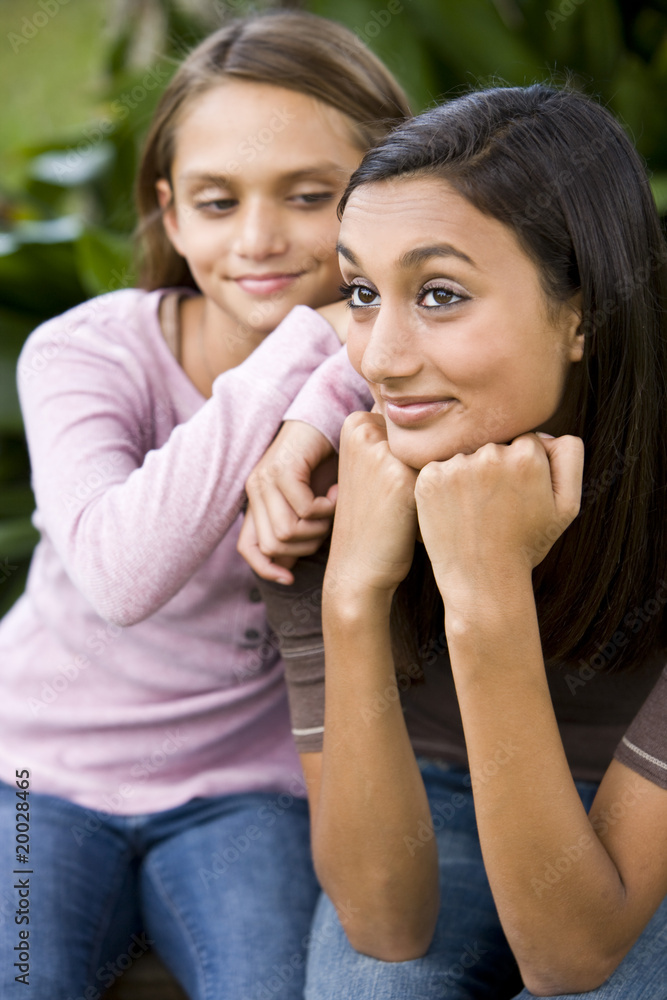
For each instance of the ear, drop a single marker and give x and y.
(573, 330)
(165, 197)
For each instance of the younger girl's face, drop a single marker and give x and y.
(257, 174)
(450, 324)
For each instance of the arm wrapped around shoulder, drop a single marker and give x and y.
(295, 615)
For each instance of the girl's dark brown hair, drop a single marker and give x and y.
(291, 49)
(559, 170)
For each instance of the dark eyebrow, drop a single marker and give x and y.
(412, 258)
(417, 256)
(347, 254)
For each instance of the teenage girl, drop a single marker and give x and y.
(488, 795)
(146, 754)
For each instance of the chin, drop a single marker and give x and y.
(418, 453)
(415, 454)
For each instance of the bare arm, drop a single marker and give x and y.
(369, 794)
(573, 892)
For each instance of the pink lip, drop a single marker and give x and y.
(265, 284)
(410, 410)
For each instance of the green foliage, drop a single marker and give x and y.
(66, 214)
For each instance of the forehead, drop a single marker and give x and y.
(245, 121)
(393, 217)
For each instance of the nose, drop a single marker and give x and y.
(261, 230)
(390, 351)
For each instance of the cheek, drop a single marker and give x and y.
(356, 345)
(202, 243)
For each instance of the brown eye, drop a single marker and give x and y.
(363, 296)
(440, 297)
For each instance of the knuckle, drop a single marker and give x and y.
(489, 454)
(284, 533)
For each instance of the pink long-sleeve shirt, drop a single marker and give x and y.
(137, 671)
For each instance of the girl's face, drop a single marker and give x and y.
(257, 174)
(449, 322)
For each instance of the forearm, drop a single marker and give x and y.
(332, 392)
(566, 930)
(372, 797)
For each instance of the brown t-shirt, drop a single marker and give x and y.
(600, 714)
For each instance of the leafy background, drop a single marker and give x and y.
(76, 108)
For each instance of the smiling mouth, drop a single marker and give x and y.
(266, 284)
(411, 410)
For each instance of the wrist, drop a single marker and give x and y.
(485, 602)
(347, 600)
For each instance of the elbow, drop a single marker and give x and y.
(389, 944)
(583, 975)
(120, 609)
(382, 923)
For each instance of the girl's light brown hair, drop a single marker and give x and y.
(290, 49)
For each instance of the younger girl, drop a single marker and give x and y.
(145, 739)
(507, 282)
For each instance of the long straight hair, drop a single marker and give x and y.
(558, 170)
(290, 49)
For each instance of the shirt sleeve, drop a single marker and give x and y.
(295, 616)
(333, 392)
(644, 746)
(132, 525)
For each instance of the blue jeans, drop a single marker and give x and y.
(222, 888)
(469, 958)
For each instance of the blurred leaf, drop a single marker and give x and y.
(470, 37)
(14, 328)
(13, 585)
(10, 411)
(659, 188)
(18, 538)
(40, 278)
(16, 501)
(14, 461)
(638, 100)
(72, 168)
(103, 260)
(603, 36)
